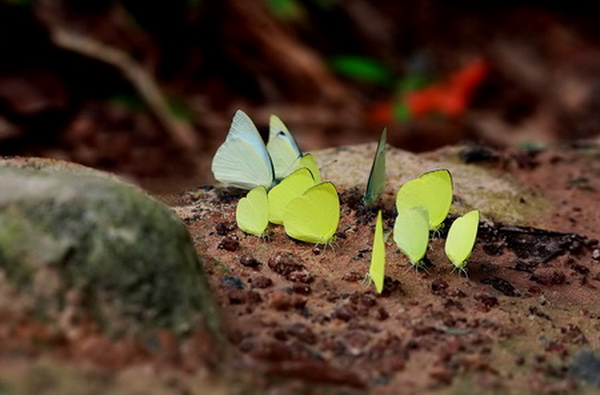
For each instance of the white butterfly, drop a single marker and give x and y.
(245, 162)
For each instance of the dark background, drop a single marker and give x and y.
(147, 88)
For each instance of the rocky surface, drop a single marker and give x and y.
(72, 238)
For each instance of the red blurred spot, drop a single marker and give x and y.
(450, 97)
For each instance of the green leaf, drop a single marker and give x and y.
(285, 9)
(361, 69)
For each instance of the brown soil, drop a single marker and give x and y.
(305, 316)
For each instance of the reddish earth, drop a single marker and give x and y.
(305, 316)
(301, 317)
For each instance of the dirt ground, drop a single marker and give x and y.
(306, 316)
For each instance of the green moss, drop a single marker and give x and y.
(129, 254)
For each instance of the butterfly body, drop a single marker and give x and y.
(411, 233)
(377, 267)
(461, 239)
(252, 212)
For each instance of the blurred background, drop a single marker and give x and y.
(147, 89)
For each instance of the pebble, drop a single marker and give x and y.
(249, 261)
(261, 282)
(229, 244)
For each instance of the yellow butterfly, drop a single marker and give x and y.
(433, 191)
(252, 212)
(314, 216)
(461, 238)
(377, 268)
(411, 233)
(287, 190)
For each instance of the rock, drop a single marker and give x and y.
(66, 229)
(585, 366)
(501, 199)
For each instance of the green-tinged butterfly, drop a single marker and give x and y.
(282, 147)
(314, 216)
(309, 162)
(433, 191)
(377, 268)
(461, 238)
(376, 181)
(252, 212)
(243, 160)
(411, 233)
(288, 189)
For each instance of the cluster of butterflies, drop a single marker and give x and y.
(422, 205)
(285, 185)
(286, 189)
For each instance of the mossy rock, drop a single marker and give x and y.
(68, 229)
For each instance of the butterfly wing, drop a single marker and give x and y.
(288, 189)
(282, 147)
(376, 181)
(377, 268)
(310, 163)
(242, 160)
(252, 212)
(461, 238)
(433, 191)
(314, 216)
(411, 233)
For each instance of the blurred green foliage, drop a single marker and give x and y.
(361, 68)
(286, 9)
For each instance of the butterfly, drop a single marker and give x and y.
(433, 191)
(313, 217)
(376, 181)
(252, 212)
(287, 190)
(461, 238)
(377, 267)
(282, 148)
(411, 233)
(243, 160)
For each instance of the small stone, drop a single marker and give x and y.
(232, 282)
(249, 261)
(236, 296)
(285, 263)
(299, 276)
(222, 228)
(381, 314)
(229, 244)
(301, 289)
(596, 254)
(352, 277)
(439, 286)
(282, 301)
(261, 282)
(486, 299)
